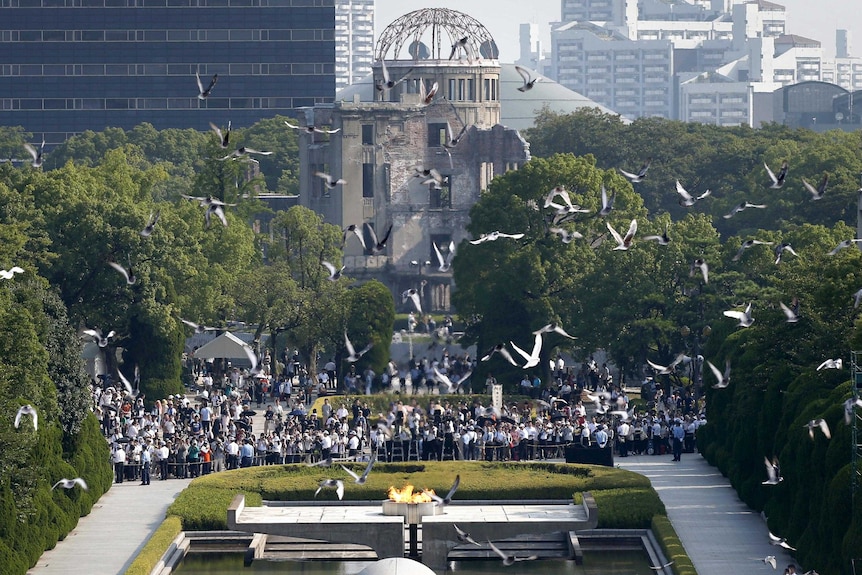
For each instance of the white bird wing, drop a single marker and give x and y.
(773, 477)
(82, 483)
(289, 125)
(824, 427)
(537, 346)
(350, 473)
(200, 84)
(443, 378)
(659, 368)
(703, 195)
(439, 255)
(682, 192)
(512, 236)
(384, 71)
(617, 237)
(791, 317)
(32, 151)
(330, 267)
(629, 175)
(350, 350)
(735, 314)
(633, 228)
(715, 371)
(524, 74)
(771, 174)
(810, 188)
(120, 269)
(126, 383)
(497, 551)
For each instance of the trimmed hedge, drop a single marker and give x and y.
(625, 499)
(155, 548)
(671, 545)
(33, 523)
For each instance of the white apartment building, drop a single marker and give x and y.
(354, 41)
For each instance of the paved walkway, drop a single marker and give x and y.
(719, 532)
(106, 541)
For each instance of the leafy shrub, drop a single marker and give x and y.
(626, 508)
(203, 508)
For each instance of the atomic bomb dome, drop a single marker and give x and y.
(436, 34)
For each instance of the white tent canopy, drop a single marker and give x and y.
(226, 345)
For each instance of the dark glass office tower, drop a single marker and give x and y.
(72, 65)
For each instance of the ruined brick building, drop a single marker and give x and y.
(385, 134)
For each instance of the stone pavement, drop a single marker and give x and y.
(719, 532)
(106, 541)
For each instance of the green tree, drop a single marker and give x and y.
(371, 320)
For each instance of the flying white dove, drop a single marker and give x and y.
(96, 334)
(445, 263)
(27, 410)
(223, 137)
(818, 192)
(329, 181)
(463, 536)
(36, 154)
(739, 207)
(438, 501)
(510, 559)
(831, 364)
(204, 93)
(10, 273)
(356, 231)
(687, 200)
(151, 224)
(844, 244)
(780, 541)
(360, 479)
(531, 358)
(495, 236)
(723, 379)
(700, 264)
(821, 423)
(71, 483)
(127, 274)
(312, 129)
(452, 385)
(773, 473)
(780, 249)
(749, 244)
(527, 76)
(501, 349)
(336, 484)
(662, 240)
(777, 181)
(334, 274)
(554, 328)
(790, 315)
(352, 356)
(640, 175)
(413, 295)
(607, 202)
(623, 243)
(848, 409)
(744, 317)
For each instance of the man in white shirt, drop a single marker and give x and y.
(119, 459)
(622, 435)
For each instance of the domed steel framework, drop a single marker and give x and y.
(438, 34)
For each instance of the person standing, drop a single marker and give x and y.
(678, 437)
(146, 460)
(119, 459)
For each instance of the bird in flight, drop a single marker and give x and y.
(607, 202)
(151, 224)
(831, 364)
(743, 206)
(744, 317)
(312, 129)
(360, 479)
(328, 180)
(128, 274)
(463, 536)
(773, 474)
(377, 246)
(529, 81)
(413, 295)
(352, 229)
(780, 541)
(533, 357)
(700, 264)
(448, 499)
(843, 245)
(447, 381)
(387, 83)
(623, 243)
(336, 484)
(723, 379)
(639, 175)
(445, 263)
(662, 240)
(777, 181)
(198, 328)
(818, 192)
(495, 236)
(849, 405)
(98, 339)
(553, 328)
(687, 200)
(510, 559)
(780, 249)
(749, 244)
(352, 356)
(821, 424)
(71, 483)
(36, 154)
(334, 274)
(223, 137)
(27, 410)
(501, 349)
(790, 315)
(203, 94)
(10, 273)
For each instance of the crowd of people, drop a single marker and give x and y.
(214, 430)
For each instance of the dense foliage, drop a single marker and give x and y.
(650, 303)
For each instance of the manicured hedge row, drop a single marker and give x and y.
(812, 506)
(155, 548)
(203, 505)
(670, 544)
(31, 524)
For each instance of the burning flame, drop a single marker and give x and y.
(407, 495)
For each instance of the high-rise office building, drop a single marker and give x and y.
(354, 41)
(73, 65)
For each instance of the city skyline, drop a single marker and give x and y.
(502, 18)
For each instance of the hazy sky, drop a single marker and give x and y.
(816, 19)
